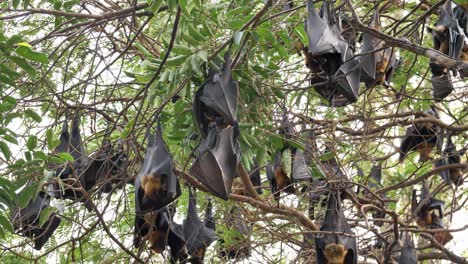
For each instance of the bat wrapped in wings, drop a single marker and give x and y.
(215, 110)
(451, 156)
(156, 184)
(154, 227)
(197, 235)
(302, 159)
(26, 221)
(339, 247)
(421, 137)
(408, 253)
(330, 57)
(378, 66)
(426, 217)
(71, 175)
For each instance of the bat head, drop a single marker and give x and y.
(335, 253)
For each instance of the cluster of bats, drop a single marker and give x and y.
(336, 75)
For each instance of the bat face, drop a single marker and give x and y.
(256, 179)
(336, 248)
(26, 221)
(217, 158)
(330, 52)
(197, 235)
(156, 185)
(154, 227)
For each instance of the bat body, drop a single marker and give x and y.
(176, 242)
(256, 179)
(420, 137)
(197, 235)
(215, 111)
(154, 227)
(330, 57)
(426, 217)
(451, 156)
(374, 182)
(156, 184)
(408, 252)
(336, 248)
(378, 66)
(241, 247)
(26, 221)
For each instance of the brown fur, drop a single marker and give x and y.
(381, 69)
(151, 186)
(335, 253)
(424, 220)
(443, 237)
(157, 239)
(280, 178)
(424, 150)
(456, 176)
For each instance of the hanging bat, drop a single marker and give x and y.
(408, 253)
(197, 235)
(176, 242)
(451, 156)
(72, 174)
(336, 248)
(256, 179)
(156, 184)
(216, 163)
(441, 81)
(26, 221)
(215, 110)
(154, 227)
(375, 182)
(215, 102)
(209, 219)
(240, 247)
(278, 179)
(300, 168)
(426, 217)
(329, 56)
(377, 67)
(421, 137)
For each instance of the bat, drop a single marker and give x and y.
(426, 217)
(278, 179)
(198, 237)
(240, 248)
(421, 137)
(302, 159)
(72, 174)
(154, 227)
(330, 57)
(209, 219)
(215, 102)
(441, 81)
(216, 161)
(215, 111)
(256, 179)
(156, 184)
(336, 248)
(375, 182)
(408, 253)
(176, 242)
(26, 221)
(377, 67)
(451, 156)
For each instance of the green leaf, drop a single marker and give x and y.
(6, 224)
(5, 150)
(23, 64)
(181, 49)
(300, 32)
(286, 160)
(26, 195)
(33, 115)
(13, 40)
(155, 5)
(10, 99)
(10, 139)
(29, 54)
(16, 3)
(177, 60)
(31, 143)
(203, 54)
(65, 156)
(26, 3)
(195, 61)
(7, 80)
(45, 214)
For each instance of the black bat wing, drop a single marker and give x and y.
(43, 233)
(408, 143)
(376, 176)
(158, 162)
(176, 243)
(408, 253)
(270, 172)
(322, 38)
(217, 160)
(256, 179)
(217, 99)
(209, 219)
(77, 150)
(196, 233)
(64, 145)
(300, 170)
(335, 221)
(369, 61)
(348, 81)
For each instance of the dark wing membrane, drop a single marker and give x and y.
(217, 160)
(408, 253)
(176, 243)
(158, 166)
(197, 235)
(300, 169)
